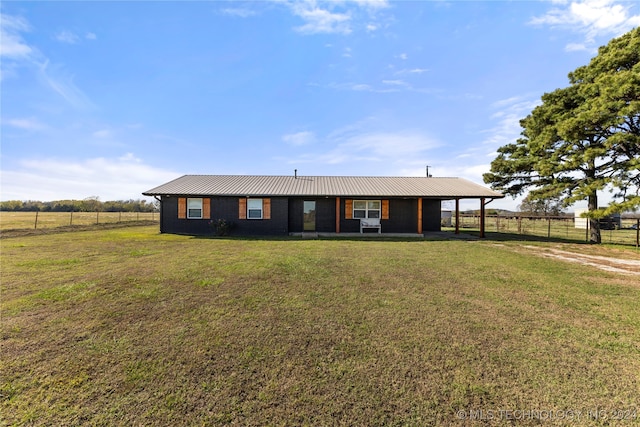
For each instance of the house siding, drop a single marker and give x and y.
(403, 215)
(325, 214)
(287, 213)
(226, 208)
(431, 214)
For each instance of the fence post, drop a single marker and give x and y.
(586, 236)
(120, 216)
(71, 218)
(548, 228)
(97, 217)
(637, 232)
(35, 226)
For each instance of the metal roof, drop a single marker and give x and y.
(252, 186)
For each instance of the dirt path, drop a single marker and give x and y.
(614, 265)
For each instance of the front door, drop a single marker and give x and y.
(309, 216)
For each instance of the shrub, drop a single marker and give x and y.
(221, 227)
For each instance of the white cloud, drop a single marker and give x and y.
(25, 124)
(18, 53)
(387, 86)
(394, 82)
(373, 4)
(593, 18)
(505, 102)
(575, 47)
(360, 143)
(321, 21)
(102, 133)
(358, 87)
(386, 146)
(507, 120)
(239, 12)
(412, 71)
(299, 138)
(62, 83)
(372, 27)
(361, 87)
(67, 37)
(12, 44)
(125, 177)
(403, 56)
(336, 17)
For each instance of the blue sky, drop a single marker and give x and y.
(110, 99)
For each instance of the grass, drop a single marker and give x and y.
(27, 220)
(129, 327)
(555, 229)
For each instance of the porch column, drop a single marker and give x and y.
(419, 215)
(482, 217)
(337, 215)
(457, 216)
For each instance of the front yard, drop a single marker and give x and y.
(129, 327)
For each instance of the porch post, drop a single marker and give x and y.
(337, 215)
(482, 217)
(419, 215)
(457, 216)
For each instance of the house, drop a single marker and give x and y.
(284, 205)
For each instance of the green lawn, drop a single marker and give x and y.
(129, 327)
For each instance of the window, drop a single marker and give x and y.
(194, 208)
(254, 209)
(366, 208)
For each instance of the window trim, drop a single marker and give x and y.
(197, 200)
(366, 209)
(250, 208)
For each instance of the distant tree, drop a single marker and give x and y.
(11, 205)
(583, 139)
(545, 207)
(91, 204)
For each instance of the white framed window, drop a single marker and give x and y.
(194, 208)
(254, 208)
(366, 208)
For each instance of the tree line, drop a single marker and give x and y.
(92, 204)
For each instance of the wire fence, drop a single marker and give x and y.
(37, 220)
(565, 228)
(628, 233)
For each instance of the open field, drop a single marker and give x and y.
(23, 220)
(130, 327)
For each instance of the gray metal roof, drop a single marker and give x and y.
(251, 185)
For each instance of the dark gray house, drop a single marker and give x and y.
(283, 205)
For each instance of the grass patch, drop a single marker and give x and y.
(155, 329)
